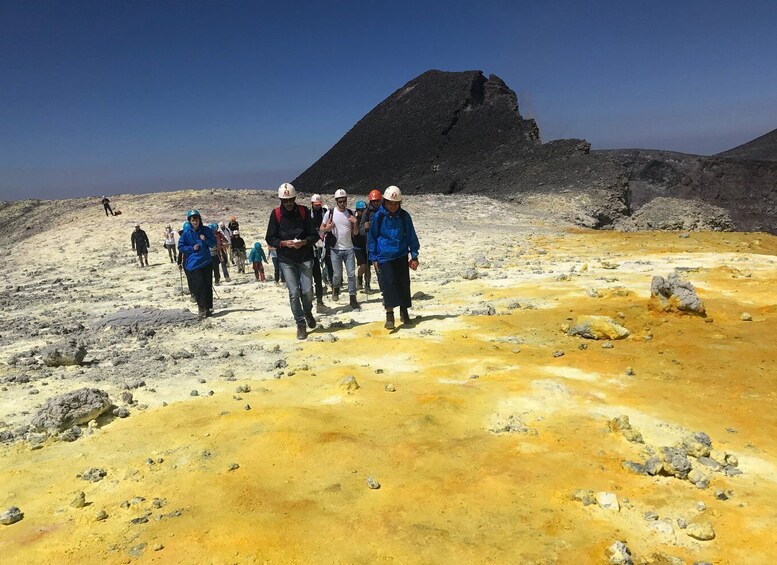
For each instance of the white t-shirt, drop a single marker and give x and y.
(342, 230)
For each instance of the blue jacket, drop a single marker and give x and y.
(391, 237)
(257, 254)
(201, 257)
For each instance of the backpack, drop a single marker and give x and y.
(331, 239)
(300, 210)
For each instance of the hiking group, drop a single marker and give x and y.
(310, 248)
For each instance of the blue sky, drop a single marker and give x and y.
(108, 97)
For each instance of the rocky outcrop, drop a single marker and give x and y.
(665, 213)
(746, 189)
(146, 318)
(450, 132)
(63, 354)
(70, 409)
(672, 294)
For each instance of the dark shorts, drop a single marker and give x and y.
(361, 256)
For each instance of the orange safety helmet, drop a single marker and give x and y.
(375, 195)
(233, 218)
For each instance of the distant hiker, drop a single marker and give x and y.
(375, 198)
(391, 237)
(342, 224)
(277, 273)
(233, 224)
(257, 257)
(217, 256)
(360, 250)
(317, 212)
(140, 244)
(107, 206)
(226, 242)
(170, 243)
(195, 243)
(290, 231)
(239, 251)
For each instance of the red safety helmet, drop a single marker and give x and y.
(375, 195)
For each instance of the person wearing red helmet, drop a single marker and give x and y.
(375, 199)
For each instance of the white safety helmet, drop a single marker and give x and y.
(315, 198)
(340, 193)
(236, 232)
(286, 190)
(392, 194)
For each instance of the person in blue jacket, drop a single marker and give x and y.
(390, 239)
(195, 244)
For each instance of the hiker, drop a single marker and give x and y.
(226, 242)
(360, 250)
(217, 256)
(170, 243)
(340, 225)
(239, 251)
(140, 244)
(107, 206)
(317, 212)
(195, 243)
(233, 224)
(181, 260)
(391, 237)
(277, 274)
(290, 231)
(375, 199)
(257, 257)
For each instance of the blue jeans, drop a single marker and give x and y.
(299, 281)
(347, 256)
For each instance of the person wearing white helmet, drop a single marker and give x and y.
(343, 225)
(290, 231)
(391, 238)
(317, 211)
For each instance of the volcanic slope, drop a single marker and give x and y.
(763, 148)
(485, 423)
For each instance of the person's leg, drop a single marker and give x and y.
(199, 279)
(256, 269)
(145, 258)
(224, 262)
(367, 277)
(291, 275)
(306, 289)
(317, 278)
(214, 263)
(277, 269)
(140, 258)
(349, 257)
(337, 272)
(328, 265)
(208, 290)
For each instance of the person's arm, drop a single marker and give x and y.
(372, 243)
(273, 235)
(185, 246)
(412, 237)
(132, 239)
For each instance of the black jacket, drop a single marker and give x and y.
(140, 240)
(367, 215)
(238, 244)
(292, 226)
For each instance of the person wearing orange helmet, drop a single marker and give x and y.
(375, 199)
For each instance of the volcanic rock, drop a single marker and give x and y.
(66, 410)
(674, 295)
(664, 213)
(63, 354)
(11, 516)
(146, 318)
(762, 148)
(450, 132)
(598, 327)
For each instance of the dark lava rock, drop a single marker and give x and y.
(451, 132)
(146, 318)
(93, 474)
(663, 213)
(762, 148)
(65, 353)
(66, 410)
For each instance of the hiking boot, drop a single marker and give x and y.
(320, 307)
(335, 293)
(208, 312)
(310, 320)
(389, 325)
(367, 288)
(302, 333)
(404, 316)
(227, 279)
(354, 303)
(200, 313)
